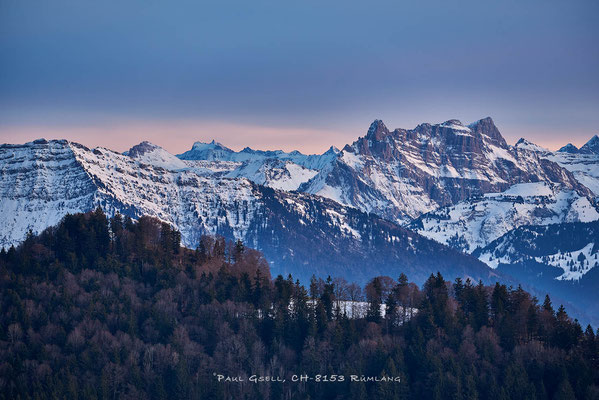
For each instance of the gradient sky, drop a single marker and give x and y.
(294, 74)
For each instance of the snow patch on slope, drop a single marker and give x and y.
(476, 222)
(574, 264)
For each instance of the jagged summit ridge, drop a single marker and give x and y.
(402, 174)
(399, 174)
(377, 130)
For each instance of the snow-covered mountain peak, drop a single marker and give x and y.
(211, 145)
(151, 154)
(405, 173)
(528, 145)
(332, 151)
(455, 124)
(141, 148)
(206, 151)
(40, 141)
(591, 147)
(487, 127)
(569, 148)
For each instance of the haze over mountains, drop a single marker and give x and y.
(371, 208)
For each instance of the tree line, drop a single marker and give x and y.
(114, 308)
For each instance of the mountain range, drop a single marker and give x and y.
(447, 197)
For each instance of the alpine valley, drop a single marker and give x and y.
(446, 197)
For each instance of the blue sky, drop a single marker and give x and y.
(288, 75)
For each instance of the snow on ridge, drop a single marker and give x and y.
(43, 182)
(277, 174)
(527, 145)
(151, 154)
(584, 167)
(476, 222)
(183, 198)
(456, 126)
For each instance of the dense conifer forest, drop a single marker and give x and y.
(99, 308)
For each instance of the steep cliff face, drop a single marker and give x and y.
(402, 174)
(39, 183)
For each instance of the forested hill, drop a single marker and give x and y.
(106, 309)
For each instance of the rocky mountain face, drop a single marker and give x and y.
(399, 174)
(475, 222)
(402, 174)
(299, 233)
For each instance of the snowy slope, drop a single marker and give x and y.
(585, 167)
(572, 249)
(478, 221)
(150, 154)
(39, 183)
(574, 263)
(276, 168)
(215, 151)
(583, 163)
(274, 173)
(299, 233)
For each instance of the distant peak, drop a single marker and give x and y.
(592, 146)
(528, 145)
(332, 150)
(523, 142)
(486, 126)
(203, 145)
(377, 124)
(569, 148)
(141, 148)
(455, 122)
(377, 130)
(456, 126)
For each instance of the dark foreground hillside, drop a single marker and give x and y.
(99, 309)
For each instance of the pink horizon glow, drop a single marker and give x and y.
(178, 136)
